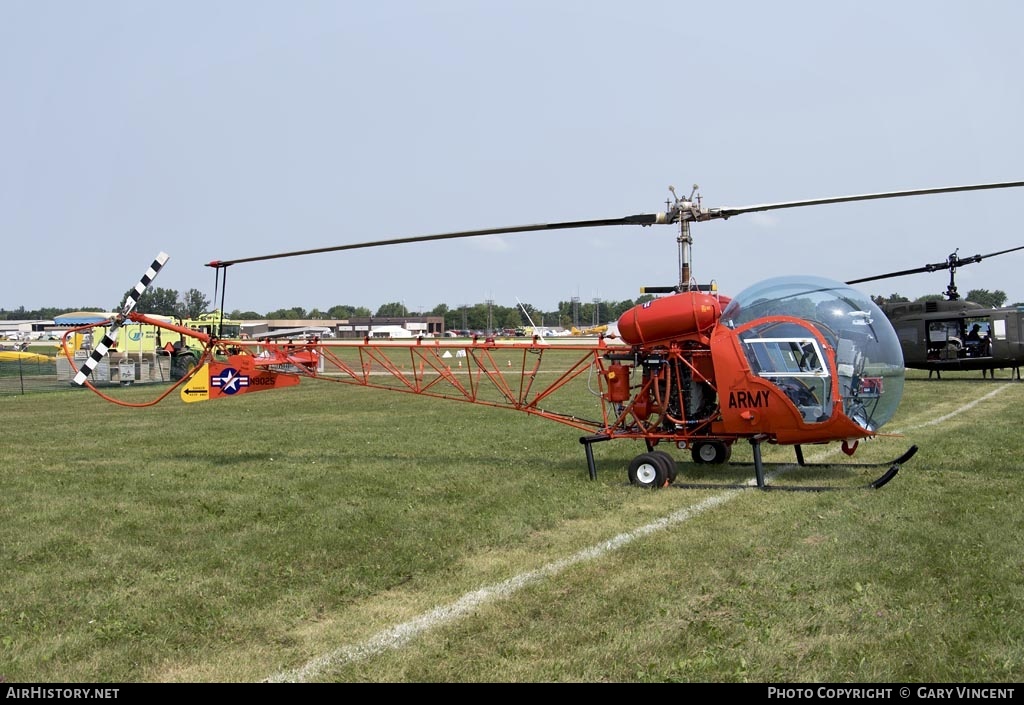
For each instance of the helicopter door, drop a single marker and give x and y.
(797, 367)
(978, 339)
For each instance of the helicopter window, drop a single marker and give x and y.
(999, 329)
(795, 366)
(942, 332)
(799, 356)
(945, 339)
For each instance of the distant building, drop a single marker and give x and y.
(426, 326)
(382, 327)
(24, 330)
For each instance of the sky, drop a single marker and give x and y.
(232, 129)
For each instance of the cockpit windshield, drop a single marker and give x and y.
(869, 360)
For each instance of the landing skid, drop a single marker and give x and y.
(759, 466)
(893, 468)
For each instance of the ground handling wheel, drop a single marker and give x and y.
(713, 452)
(648, 470)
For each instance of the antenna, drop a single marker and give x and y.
(536, 331)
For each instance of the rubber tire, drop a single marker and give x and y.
(670, 464)
(182, 365)
(711, 452)
(648, 470)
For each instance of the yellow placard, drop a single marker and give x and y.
(197, 388)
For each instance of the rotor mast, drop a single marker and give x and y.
(682, 211)
(953, 261)
(685, 239)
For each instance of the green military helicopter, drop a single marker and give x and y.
(955, 334)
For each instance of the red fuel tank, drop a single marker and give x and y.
(670, 317)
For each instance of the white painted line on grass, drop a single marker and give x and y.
(956, 412)
(401, 634)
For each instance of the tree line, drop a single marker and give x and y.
(481, 316)
(157, 301)
(984, 297)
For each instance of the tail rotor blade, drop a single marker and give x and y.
(98, 353)
(133, 299)
(110, 338)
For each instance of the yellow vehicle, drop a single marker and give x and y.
(137, 355)
(170, 356)
(132, 337)
(212, 323)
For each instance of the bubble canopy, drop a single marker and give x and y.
(869, 360)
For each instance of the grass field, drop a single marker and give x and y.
(331, 534)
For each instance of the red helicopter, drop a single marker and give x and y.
(790, 361)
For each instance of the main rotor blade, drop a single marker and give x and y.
(978, 258)
(728, 212)
(683, 210)
(642, 219)
(950, 263)
(902, 273)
